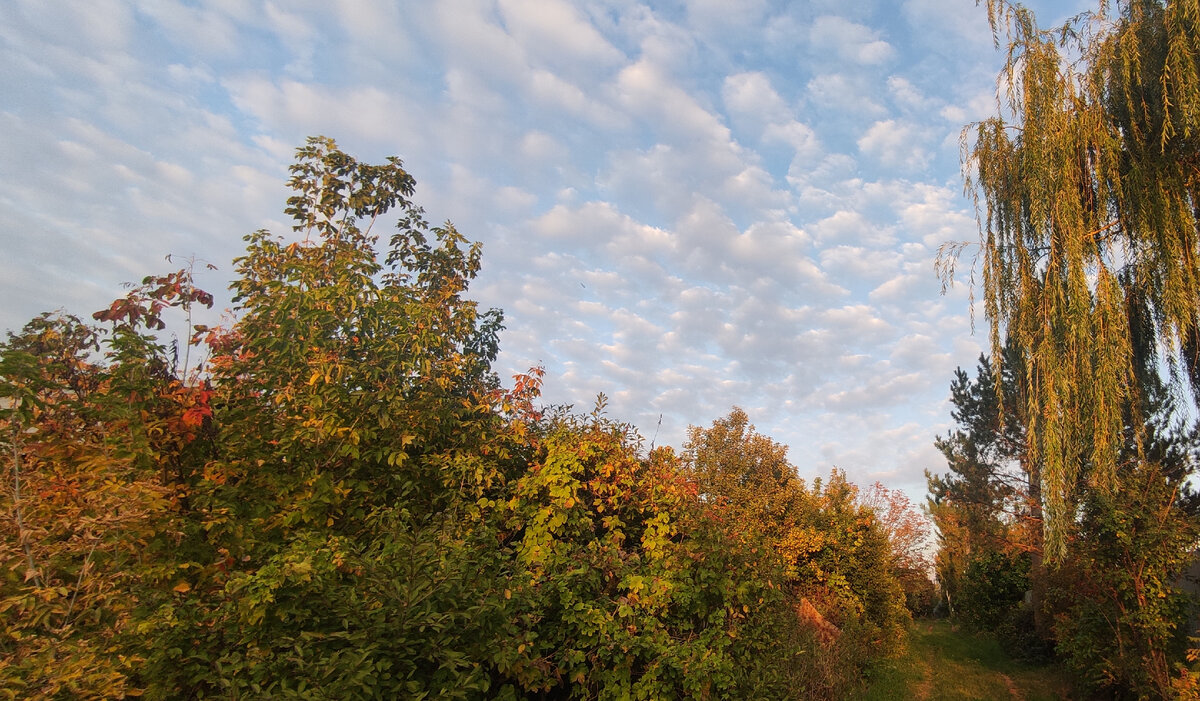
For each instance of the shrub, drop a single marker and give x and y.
(1019, 638)
(994, 585)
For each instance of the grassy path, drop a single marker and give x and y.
(943, 664)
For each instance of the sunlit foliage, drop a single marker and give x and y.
(1088, 180)
(334, 496)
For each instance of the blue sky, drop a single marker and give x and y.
(687, 205)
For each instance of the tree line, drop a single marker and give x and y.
(334, 496)
(1067, 515)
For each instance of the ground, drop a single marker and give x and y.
(944, 663)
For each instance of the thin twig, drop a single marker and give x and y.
(16, 461)
(1106, 227)
(79, 582)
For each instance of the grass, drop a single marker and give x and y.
(943, 663)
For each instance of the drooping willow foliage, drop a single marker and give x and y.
(1088, 186)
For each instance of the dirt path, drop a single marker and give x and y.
(922, 688)
(944, 663)
(1012, 688)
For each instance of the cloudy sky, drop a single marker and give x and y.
(687, 205)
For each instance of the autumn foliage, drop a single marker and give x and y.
(335, 497)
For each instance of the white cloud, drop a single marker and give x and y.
(676, 116)
(948, 25)
(206, 30)
(669, 180)
(540, 147)
(935, 214)
(600, 225)
(920, 352)
(751, 98)
(905, 93)
(896, 143)
(902, 288)
(557, 36)
(850, 41)
(879, 391)
(665, 44)
(471, 39)
(800, 137)
(723, 17)
(858, 322)
(300, 108)
(838, 91)
(295, 33)
(682, 217)
(94, 27)
(552, 91)
(751, 93)
(860, 264)
(846, 226)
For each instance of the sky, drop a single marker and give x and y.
(688, 205)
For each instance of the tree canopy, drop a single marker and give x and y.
(1086, 182)
(336, 497)
(1087, 179)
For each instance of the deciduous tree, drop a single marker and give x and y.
(1087, 182)
(1088, 179)
(907, 531)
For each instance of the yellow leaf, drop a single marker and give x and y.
(183, 587)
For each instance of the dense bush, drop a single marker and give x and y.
(994, 585)
(920, 592)
(1122, 621)
(1019, 637)
(832, 548)
(338, 499)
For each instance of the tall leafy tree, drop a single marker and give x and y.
(907, 531)
(831, 547)
(1087, 181)
(987, 503)
(334, 533)
(1112, 599)
(1088, 178)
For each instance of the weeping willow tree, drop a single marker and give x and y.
(1087, 182)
